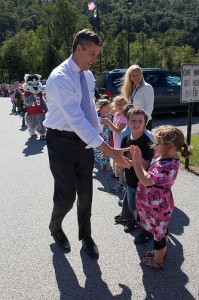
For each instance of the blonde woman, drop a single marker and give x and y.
(138, 92)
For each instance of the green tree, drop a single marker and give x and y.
(120, 51)
(107, 55)
(12, 60)
(181, 55)
(42, 32)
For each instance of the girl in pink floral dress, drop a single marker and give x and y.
(154, 199)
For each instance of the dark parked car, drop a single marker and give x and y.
(166, 85)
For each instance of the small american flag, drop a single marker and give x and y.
(91, 5)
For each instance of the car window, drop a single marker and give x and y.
(101, 81)
(156, 80)
(116, 80)
(173, 80)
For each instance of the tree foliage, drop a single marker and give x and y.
(36, 35)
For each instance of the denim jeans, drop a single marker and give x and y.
(125, 208)
(131, 198)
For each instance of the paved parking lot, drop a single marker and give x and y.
(180, 120)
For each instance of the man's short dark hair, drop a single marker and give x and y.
(85, 37)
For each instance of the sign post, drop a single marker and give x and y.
(190, 94)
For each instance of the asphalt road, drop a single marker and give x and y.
(32, 267)
(178, 119)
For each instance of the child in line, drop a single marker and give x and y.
(118, 124)
(19, 100)
(137, 120)
(154, 200)
(111, 116)
(127, 129)
(126, 216)
(103, 108)
(12, 96)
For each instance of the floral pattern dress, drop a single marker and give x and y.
(155, 203)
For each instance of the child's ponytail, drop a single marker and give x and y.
(185, 150)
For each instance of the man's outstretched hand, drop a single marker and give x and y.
(116, 155)
(120, 159)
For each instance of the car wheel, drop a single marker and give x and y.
(196, 109)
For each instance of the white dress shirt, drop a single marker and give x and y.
(63, 95)
(144, 98)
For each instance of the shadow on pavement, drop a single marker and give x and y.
(106, 181)
(34, 146)
(169, 283)
(95, 287)
(194, 170)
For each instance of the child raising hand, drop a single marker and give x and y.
(154, 199)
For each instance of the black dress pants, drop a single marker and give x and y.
(72, 167)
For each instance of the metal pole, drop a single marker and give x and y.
(143, 61)
(128, 37)
(189, 131)
(128, 34)
(98, 31)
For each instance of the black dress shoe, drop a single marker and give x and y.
(62, 241)
(90, 247)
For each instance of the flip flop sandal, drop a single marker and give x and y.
(150, 262)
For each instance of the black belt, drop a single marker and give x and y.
(64, 133)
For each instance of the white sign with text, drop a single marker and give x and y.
(190, 83)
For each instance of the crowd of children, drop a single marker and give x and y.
(6, 89)
(103, 108)
(19, 100)
(148, 202)
(116, 125)
(15, 92)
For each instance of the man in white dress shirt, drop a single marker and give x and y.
(71, 138)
